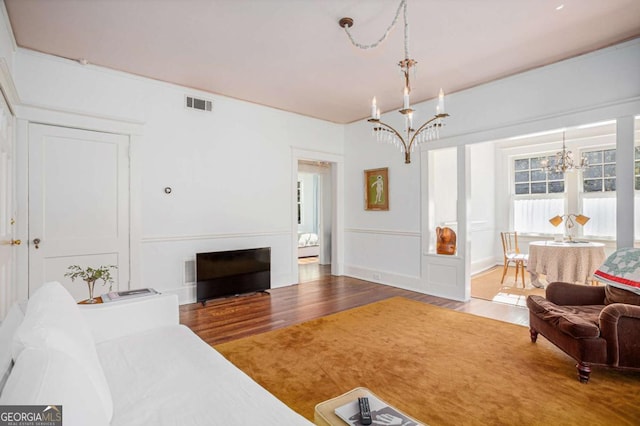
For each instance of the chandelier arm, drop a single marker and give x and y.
(392, 130)
(426, 125)
(403, 3)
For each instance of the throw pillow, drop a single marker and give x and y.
(621, 269)
(54, 321)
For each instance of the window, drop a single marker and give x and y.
(598, 197)
(538, 195)
(530, 178)
(600, 175)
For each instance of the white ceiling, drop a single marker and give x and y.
(292, 55)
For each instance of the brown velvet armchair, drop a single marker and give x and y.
(593, 325)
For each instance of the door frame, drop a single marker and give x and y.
(337, 225)
(133, 130)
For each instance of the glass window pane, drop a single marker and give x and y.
(556, 187)
(522, 176)
(610, 156)
(592, 185)
(522, 188)
(536, 163)
(609, 184)
(638, 183)
(594, 157)
(537, 175)
(522, 164)
(555, 176)
(637, 152)
(593, 171)
(637, 172)
(539, 188)
(609, 170)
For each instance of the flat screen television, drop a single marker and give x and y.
(231, 273)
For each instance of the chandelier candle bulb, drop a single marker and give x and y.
(373, 108)
(440, 102)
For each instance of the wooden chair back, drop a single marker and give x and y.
(510, 243)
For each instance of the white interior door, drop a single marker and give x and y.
(78, 205)
(7, 293)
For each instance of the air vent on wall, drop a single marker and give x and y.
(198, 104)
(189, 276)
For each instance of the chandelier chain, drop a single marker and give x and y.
(402, 5)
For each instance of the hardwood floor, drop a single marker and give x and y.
(223, 320)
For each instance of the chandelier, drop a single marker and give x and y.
(410, 137)
(563, 161)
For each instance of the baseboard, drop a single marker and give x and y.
(483, 265)
(405, 282)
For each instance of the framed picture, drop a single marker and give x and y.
(376, 189)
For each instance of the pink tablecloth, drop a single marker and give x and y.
(568, 262)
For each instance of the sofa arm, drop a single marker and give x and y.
(620, 327)
(574, 294)
(116, 319)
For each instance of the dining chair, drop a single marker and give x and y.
(512, 255)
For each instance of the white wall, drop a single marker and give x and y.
(595, 87)
(230, 170)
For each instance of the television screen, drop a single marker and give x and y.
(229, 273)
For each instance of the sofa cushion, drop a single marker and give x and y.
(50, 377)
(169, 376)
(580, 322)
(7, 330)
(53, 321)
(621, 269)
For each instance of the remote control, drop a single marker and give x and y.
(365, 413)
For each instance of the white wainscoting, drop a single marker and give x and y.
(169, 261)
(393, 257)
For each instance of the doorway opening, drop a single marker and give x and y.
(314, 217)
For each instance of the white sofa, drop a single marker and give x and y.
(125, 363)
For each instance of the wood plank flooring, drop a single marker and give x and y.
(222, 320)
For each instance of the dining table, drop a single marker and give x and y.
(567, 261)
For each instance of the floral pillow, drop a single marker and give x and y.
(622, 270)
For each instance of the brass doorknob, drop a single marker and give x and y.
(36, 241)
(16, 242)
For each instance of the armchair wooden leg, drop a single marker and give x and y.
(584, 370)
(534, 335)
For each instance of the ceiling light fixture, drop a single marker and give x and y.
(563, 161)
(410, 137)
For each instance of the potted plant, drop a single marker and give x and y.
(91, 275)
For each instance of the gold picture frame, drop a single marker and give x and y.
(376, 189)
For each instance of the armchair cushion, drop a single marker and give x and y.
(618, 295)
(579, 322)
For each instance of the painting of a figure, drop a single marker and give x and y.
(376, 189)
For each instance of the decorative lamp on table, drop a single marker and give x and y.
(569, 222)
